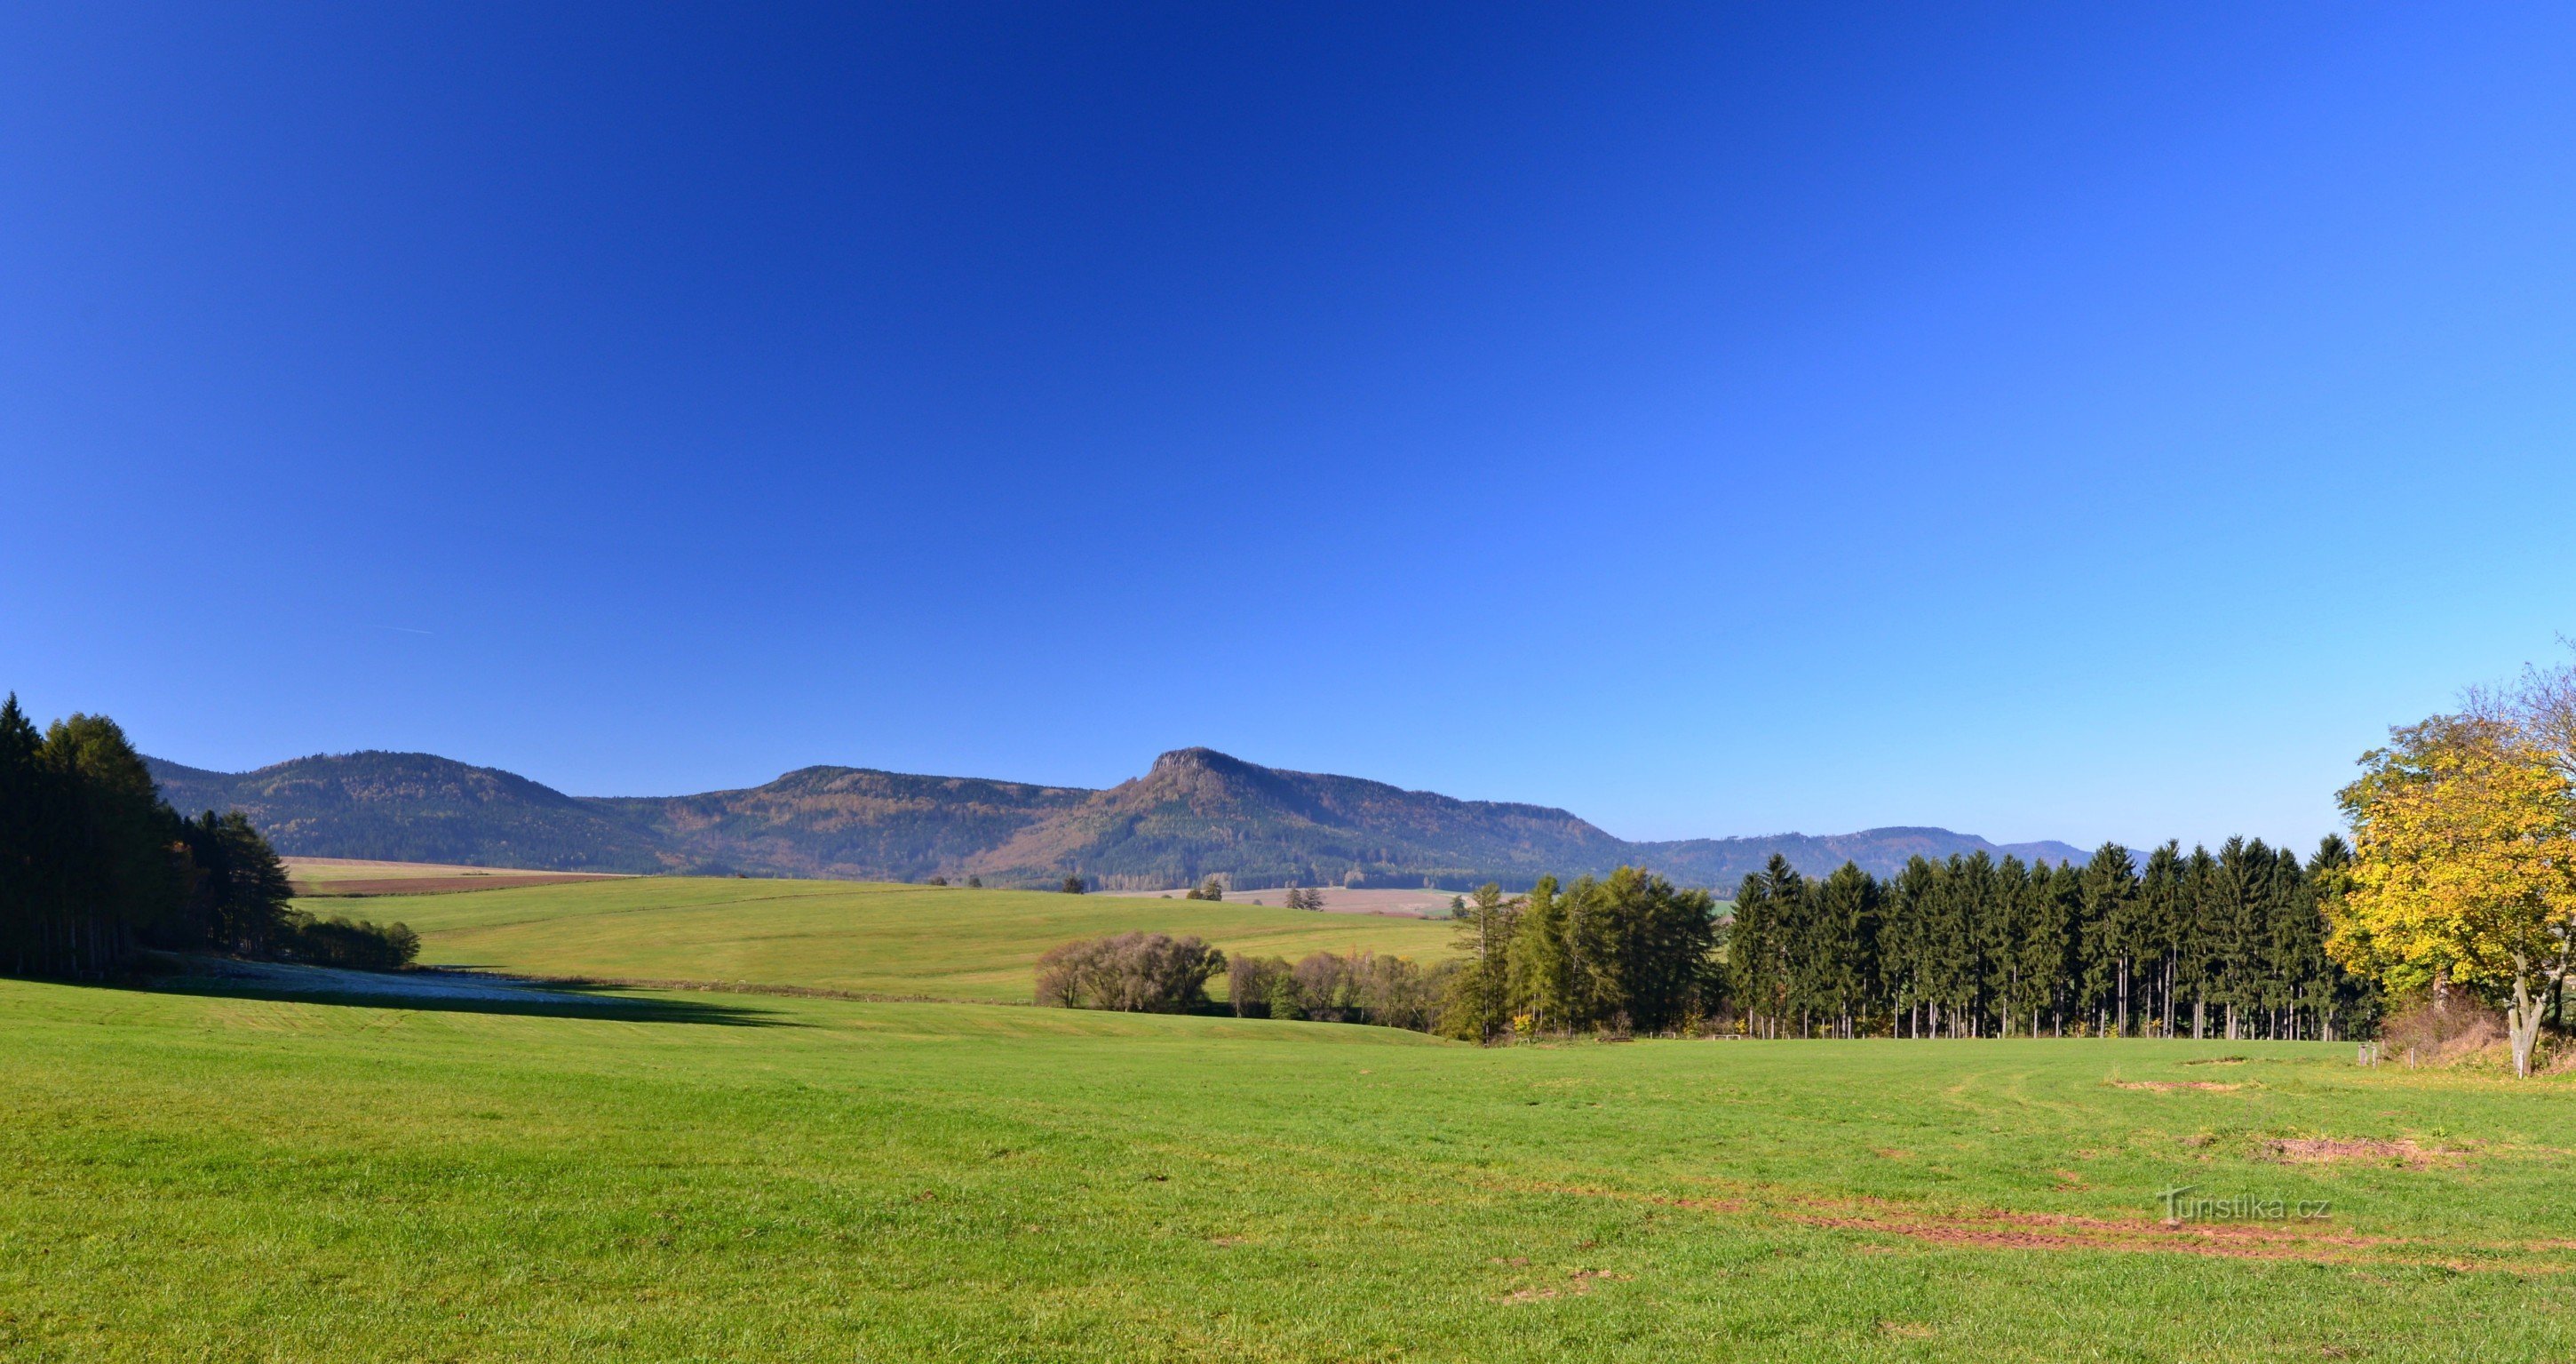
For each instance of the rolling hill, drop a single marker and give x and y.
(1195, 813)
(414, 807)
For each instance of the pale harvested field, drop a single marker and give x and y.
(353, 876)
(1409, 904)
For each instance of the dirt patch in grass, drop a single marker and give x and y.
(2169, 1086)
(1579, 1283)
(1997, 1229)
(2326, 1150)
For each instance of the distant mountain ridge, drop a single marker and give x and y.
(1196, 813)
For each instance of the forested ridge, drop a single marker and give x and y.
(1194, 814)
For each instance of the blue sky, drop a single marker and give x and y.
(2058, 421)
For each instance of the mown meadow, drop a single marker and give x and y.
(704, 1175)
(210, 1177)
(858, 937)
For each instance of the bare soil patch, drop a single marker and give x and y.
(1998, 1229)
(2326, 1150)
(2168, 1086)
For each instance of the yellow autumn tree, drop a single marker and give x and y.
(2464, 868)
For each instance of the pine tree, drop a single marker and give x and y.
(1542, 961)
(1844, 932)
(1768, 908)
(1951, 966)
(1905, 944)
(122, 881)
(238, 902)
(2352, 1000)
(2239, 927)
(1478, 1007)
(2161, 911)
(24, 894)
(2110, 896)
(2046, 950)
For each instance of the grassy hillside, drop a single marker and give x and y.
(194, 1177)
(878, 939)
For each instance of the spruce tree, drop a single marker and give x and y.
(1905, 955)
(1768, 909)
(2110, 890)
(1845, 923)
(2161, 911)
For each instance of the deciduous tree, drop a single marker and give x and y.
(2464, 867)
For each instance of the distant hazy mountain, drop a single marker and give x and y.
(1197, 813)
(1722, 862)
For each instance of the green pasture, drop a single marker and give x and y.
(838, 935)
(754, 1177)
(694, 1175)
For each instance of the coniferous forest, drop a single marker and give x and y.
(95, 866)
(2194, 944)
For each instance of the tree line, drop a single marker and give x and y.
(2199, 944)
(2191, 944)
(95, 866)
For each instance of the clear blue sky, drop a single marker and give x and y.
(2064, 421)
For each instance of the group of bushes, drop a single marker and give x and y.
(358, 943)
(1134, 972)
(1326, 987)
(1157, 973)
(95, 866)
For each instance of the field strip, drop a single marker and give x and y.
(745, 987)
(608, 913)
(2002, 1229)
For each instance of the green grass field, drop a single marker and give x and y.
(870, 939)
(731, 1176)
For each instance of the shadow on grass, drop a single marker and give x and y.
(437, 991)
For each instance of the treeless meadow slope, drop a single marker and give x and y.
(836, 935)
(195, 1176)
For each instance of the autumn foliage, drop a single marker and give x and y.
(2464, 874)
